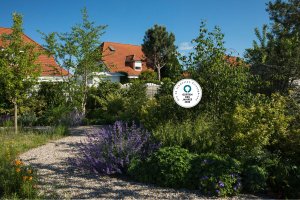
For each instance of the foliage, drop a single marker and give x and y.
(159, 111)
(173, 69)
(215, 175)
(223, 83)
(53, 94)
(28, 119)
(166, 87)
(276, 59)
(158, 47)
(108, 102)
(284, 179)
(254, 178)
(200, 135)
(148, 76)
(258, 127)
(134, 98)
(168, 167)
(77, 51)
(109, 150)
(18, 69)
(18, 180)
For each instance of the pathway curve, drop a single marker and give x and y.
(58, 179)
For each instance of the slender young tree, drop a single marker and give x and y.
(78, 51)
(158, 47)
(18, 69)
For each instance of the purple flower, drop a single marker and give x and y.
(221, 184)
(109, 150)
(218, 192)
(235, 188)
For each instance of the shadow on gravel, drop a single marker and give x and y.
(62, 179)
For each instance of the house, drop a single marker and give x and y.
(50, 70)
(121, 60)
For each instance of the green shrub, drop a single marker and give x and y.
(215, 175)
(284, 179)
(200, 135)
(258, 127)
(28, 119)
(160, 111)
(148, 76)
(134, 98)
(168, 167)
(109, 103)
(254, 178)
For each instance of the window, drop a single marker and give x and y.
(138, 65)
(137, 68)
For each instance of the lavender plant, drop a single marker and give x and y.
(109, 150)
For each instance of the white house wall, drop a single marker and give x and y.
(51, 79)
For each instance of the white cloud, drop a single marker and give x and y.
(185, 46)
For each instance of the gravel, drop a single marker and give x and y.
(58, 179)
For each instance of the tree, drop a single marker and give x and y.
(173, 69)
(158, 47)
(78, 51)
(18, 69)
(276, 60)
(223, 84)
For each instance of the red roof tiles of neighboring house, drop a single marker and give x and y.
(48, 63)
(117, 57)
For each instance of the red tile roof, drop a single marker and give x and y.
(48, 63)
(117, 57)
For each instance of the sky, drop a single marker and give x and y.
(128, 20)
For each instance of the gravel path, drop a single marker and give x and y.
(60, 180)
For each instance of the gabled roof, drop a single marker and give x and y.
(48, 63)
(117, 56)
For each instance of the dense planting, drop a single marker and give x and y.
(244, 135)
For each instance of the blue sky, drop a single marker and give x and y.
(128, 20)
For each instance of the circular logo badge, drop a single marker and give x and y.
(187, 93)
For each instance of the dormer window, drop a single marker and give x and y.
(137, 65)
(134, 62)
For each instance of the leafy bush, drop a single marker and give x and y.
(134, 98)
(254, 178)
(28, 119)
(109, 103)
(215, 175)
(200, 135)
(148, 76)
(284, 179)
(259, 127)
(109, 150)
(169, 167)
(159, 111)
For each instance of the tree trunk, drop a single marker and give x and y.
(158, 71)
(85, 88)
(16, 115)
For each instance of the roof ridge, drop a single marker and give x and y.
(123, 43)
(4, 27)
(26, 37)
